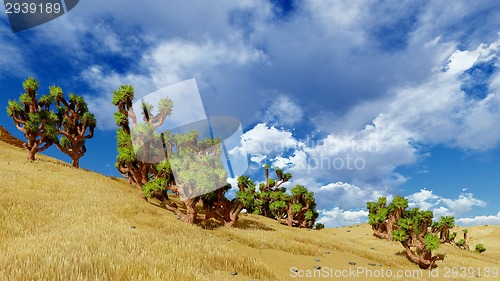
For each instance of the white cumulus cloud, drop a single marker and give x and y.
(338, 217)
(480, 220)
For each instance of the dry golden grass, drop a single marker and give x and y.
(60, 223)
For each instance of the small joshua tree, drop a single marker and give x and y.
(452, 237)
(273, 201)
(75, 124)
(480, 249)
(462, 243)
(34, 118)
(413, 234)
(227, 211)
(319, 226)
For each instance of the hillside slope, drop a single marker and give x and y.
(10, 139)
(60, 223)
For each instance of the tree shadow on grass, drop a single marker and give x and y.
(213, 224)
(251, 224)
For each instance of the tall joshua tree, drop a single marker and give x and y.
(34, 118)
(268, 187)
(75, 124)
(377, 217)
(136, 170)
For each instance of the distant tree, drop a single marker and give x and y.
(452, 237)
(268, 187)
(413, 233)
(273, 201)
(319, 226)
(75, 123)
(34, 118)
(462, 243)
(443, 227)
(480, 249)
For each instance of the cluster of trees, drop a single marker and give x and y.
(199, 169)
(414, 229)
(297, 209)
(67, 128)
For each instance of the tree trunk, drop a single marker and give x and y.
(75, 163)
(425, 260)
(390, 225)
(32, 153)
(190, 209)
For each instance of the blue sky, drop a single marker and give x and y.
(407, 90)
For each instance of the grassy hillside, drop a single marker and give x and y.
(60, 223)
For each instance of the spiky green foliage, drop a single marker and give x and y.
(198, 173)
(431, 242)
(31, 84)
(383, 218)
(34, 118)
(297, 209)
(480, 249)
(75, 123)
(443, 227)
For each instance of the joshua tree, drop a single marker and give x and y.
(301, 208)
(462, 243)
(395, 211)
(443, 227)
(199, 172)
(227, 211)
(34, 118)
(480, 249)
(74, 120)
(269, 187)
(134, 168)
(273, 201)
(413, 233)
(377, 216)
(452, 237)
(319, 226)
(384, 219)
